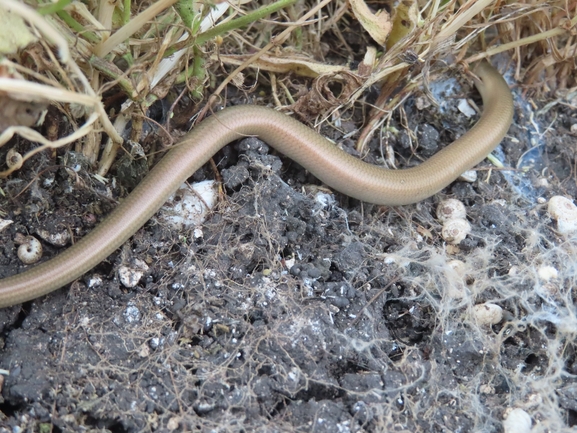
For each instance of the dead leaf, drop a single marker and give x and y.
(378, 25)
(15, 34)
(367, 66)
(424, 232)
(405, 19)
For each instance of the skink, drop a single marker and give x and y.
(322, 158)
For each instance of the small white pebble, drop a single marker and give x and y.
(517, 421)
(465, 108)
(542, 182)
(468, 176)
(547, 273)
(154, 342)
(173, 423)
(488, 314)
(130, 275)
(564, 212)
(422, 103)
(289, 263)
(144, 351)
(56, 239)
(450, 209)
(189, 206)
(455, 230)
(4, 224)
(30, 251)
(389, 260)
(131, 314)
(95, 281)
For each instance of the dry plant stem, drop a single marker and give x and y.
(99, 108)
(273, 86)
(105, 11)
(28, 72)
(136, 131)
(458, 20)
(375, 78)
(337, 15)
(91, 145)
(47, 92)
(155, 73)
(522, 42)
(298, 33)
(287, 93)
(80, 11)
(434, 9)
(51, 93)
(66, 14)
(145, 81)
(277, 40)
(111, 149)
(115, 74)
(135, 24)
(77, 27)
(377, 112)
(82, 48)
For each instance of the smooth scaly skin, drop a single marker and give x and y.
(322, 158)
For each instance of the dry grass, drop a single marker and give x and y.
(137, 56)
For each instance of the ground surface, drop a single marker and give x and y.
(294, 312)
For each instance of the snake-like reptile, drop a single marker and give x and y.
(322, 158)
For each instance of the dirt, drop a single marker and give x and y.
(296, 311)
